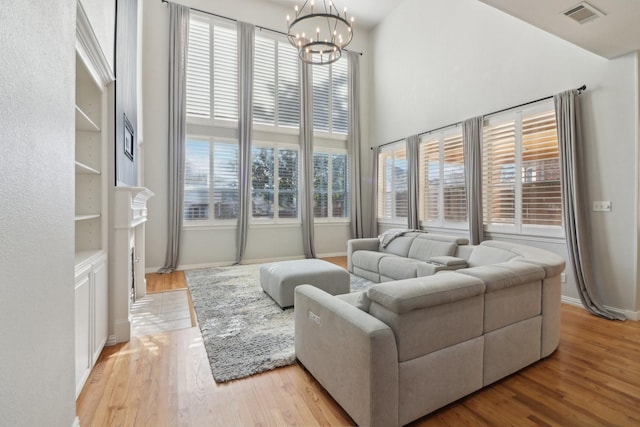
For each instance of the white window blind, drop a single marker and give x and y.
(320, 185)
(392, 182)
(211, 173)
(330, 185)
(212, 70)
(262, 182)
(287, 183)
(541, 191)
(199, 69)
(276, 99)
(339, 186)
(443, 198)
(521, 171)
(330, 98)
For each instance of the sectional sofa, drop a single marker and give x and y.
(410, 345)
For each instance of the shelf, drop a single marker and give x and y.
(84, 169)
(84, 256)
(84, 122)
(87, 217)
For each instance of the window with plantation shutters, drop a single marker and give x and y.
(212, 70)
(521, 171)
(274, 182)
(442, 191)
(330, 98)
(330, 184)
(276, 98)
(392, 182)
(211, 178)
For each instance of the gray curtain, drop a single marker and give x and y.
(178, 45)
(413, 220)
(374, 192)
(574, 207)
(472, 141)
(246, 43)
(306, 164)
(353, 143)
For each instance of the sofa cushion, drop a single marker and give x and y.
(449, 261)
(399, 246)
(398, 268)
(367, 260)
(423, 249)
(505, 274)
(403, 296)
(484, 255)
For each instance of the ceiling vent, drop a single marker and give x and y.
(583, 12)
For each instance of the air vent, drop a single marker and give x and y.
(583, 12)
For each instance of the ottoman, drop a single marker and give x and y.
(279, 279)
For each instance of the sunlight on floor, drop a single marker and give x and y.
(160, 312)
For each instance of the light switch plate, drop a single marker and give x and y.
(602, 206)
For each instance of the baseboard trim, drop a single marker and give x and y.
(111, 340)
(630, 315)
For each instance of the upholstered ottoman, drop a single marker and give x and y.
(279, 279)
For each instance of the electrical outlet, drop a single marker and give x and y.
(602, 206)
(563, 277)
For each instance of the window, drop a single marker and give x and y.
(274, 182)
(276, 99)
(521, 171)
(330, 98)
(212, 70)
(211, 173)
(392, 182)
(443, 194)
(330, 185)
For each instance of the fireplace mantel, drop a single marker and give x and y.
(131, 206)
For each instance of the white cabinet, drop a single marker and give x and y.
(91, 315)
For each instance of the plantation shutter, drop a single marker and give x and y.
(339, 96)
(225, 73)
(429, 170)
(455, 194)
(225, 180)
(196, 180)
(262, 181)
(320, 185)
(339, 186)
(198, 69)
(392, 181)
(288, 86)
(541, 191)
(287, 183)
(321, 92)
(498, 173)
(264, 94)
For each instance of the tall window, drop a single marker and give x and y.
(392, 182)
(521, 171)
(330, 98)
(274, 182)
(330, 185)
(211, 180)
(276, 100)
(212, 70)
(443, 197)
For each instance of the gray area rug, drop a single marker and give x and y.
(244, 331)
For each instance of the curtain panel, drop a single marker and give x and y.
(353, 146)
(306, 155)
(178, 47)
(413, 220)
(472, 142)
(574, 204)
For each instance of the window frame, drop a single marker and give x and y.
(394, 220)
(518, 228)
(331, 134)
(331, 151)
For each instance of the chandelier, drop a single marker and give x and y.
(319, 32)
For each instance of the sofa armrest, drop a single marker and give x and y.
(367, 244)
(351, 353)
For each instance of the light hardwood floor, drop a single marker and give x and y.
(593, 379)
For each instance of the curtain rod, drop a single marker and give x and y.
(580, 90)
(257, 26)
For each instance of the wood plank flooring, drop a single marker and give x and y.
(593, 379)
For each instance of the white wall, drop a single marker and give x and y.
(102, 15)
(215, 245)
(37, 385)
(470, 59)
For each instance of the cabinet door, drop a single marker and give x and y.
(83, 326)
(100, 304)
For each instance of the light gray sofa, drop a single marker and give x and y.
(410, 255)
(405, 348)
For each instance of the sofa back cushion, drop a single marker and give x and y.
(399, 245)
(485, 255)
(424, 249)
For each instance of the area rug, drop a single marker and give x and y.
(244, 331)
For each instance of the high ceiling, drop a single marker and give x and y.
(612, 35)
